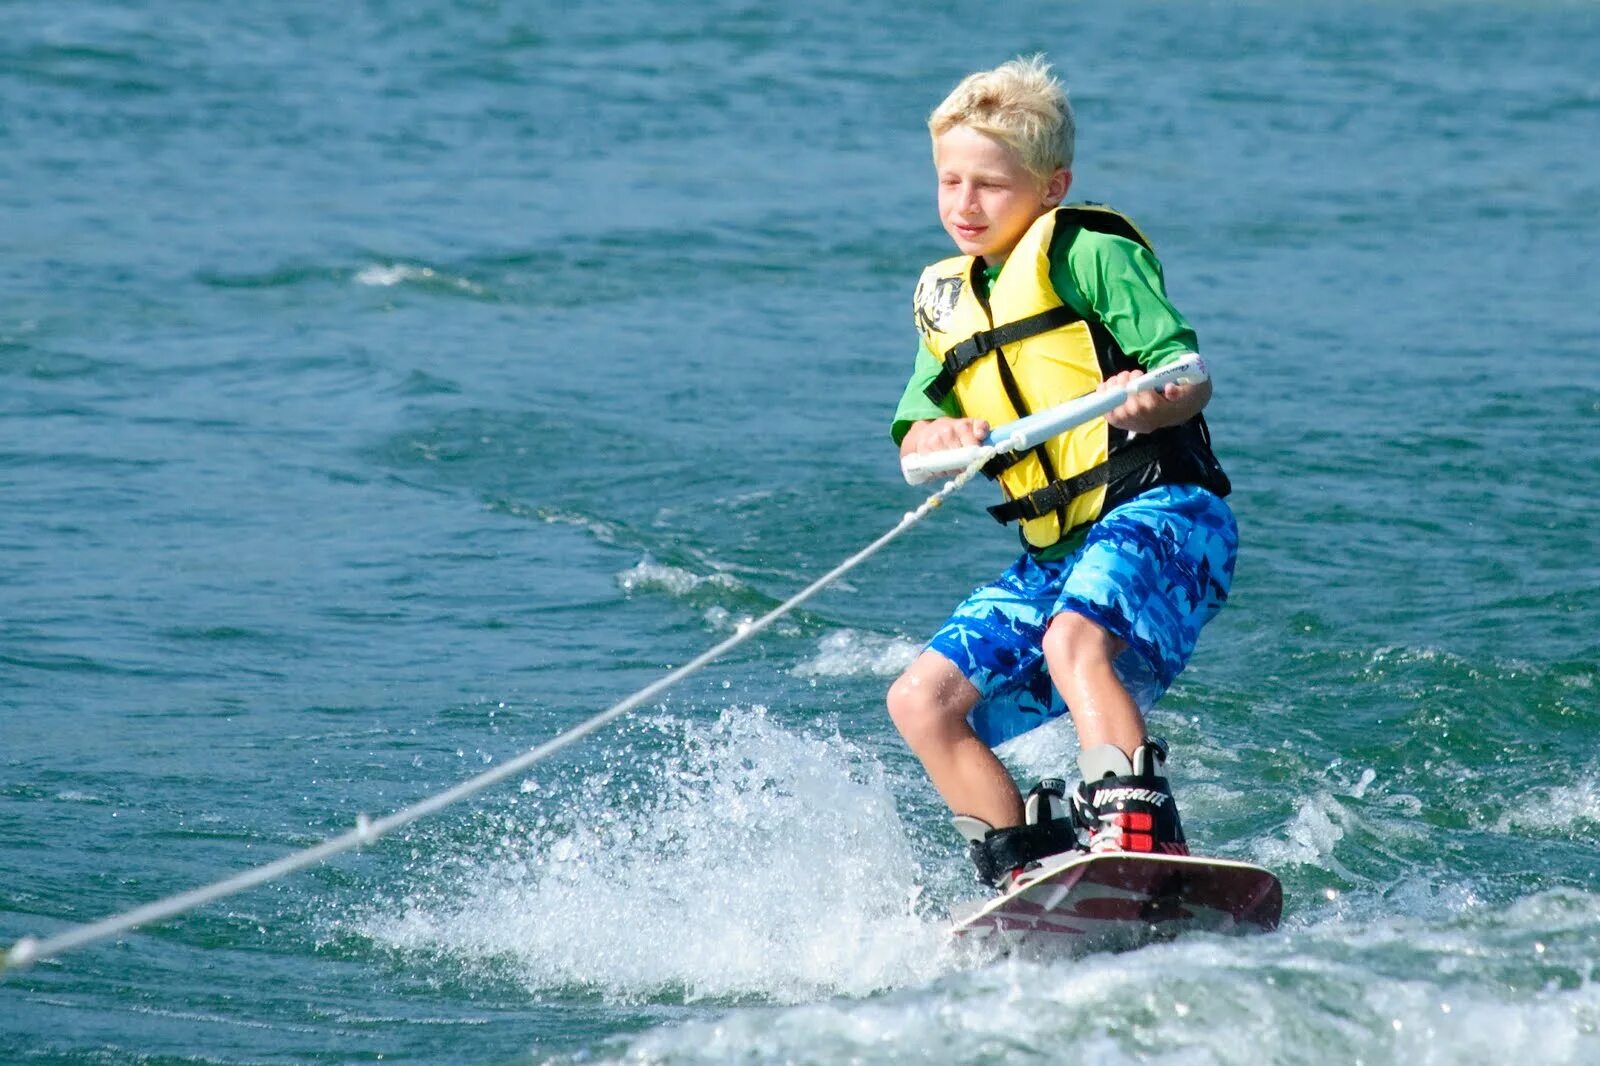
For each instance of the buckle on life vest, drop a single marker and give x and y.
(980, 344)
(1058, 494)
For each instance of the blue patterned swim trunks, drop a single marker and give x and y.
(1152, 572)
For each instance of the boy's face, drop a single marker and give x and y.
(987, 198)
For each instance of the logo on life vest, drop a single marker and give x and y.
(936, 303)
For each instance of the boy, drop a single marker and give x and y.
(1129, 546)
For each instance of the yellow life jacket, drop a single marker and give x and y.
(1022, 350)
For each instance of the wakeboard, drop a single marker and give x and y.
(1080, 902)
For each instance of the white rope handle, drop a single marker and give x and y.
(29, 950)
(923, 467)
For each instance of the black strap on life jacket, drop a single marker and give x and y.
(985, 341)
(1058, 494)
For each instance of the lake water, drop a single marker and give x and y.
(388, 386)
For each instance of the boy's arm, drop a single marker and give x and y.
(921, 425)
(1147, 412)
(1119, 283)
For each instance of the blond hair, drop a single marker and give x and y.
(1019, 103)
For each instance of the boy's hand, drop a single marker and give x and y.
(939, 434)
(1150, 411)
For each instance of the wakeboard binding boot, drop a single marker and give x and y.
(1002, 856)
(1123, 804)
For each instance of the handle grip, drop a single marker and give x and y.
(921, 467)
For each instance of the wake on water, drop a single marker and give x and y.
(737, 862)
(789, 876)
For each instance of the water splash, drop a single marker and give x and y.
(1566, 810)
(1310, 837)
(852, 653)
(754, 862)
(648, 574)
(1325, 994)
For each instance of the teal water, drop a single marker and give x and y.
(390, 386)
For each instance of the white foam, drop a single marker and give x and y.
(852, 653)
(73, 795)
(1310, 837)
(720, 619)
(1000, 1015)
(603, 531)
(1321, 995)
(648, 574)
(1051, 750)
(755, 862)
(384, 276)
(1559, 808)
(387, 275)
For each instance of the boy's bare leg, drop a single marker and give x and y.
(929, 704)
(1079, 653)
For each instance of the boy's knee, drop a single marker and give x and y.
(1074, 640)
(911, 704)
(921, 709)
